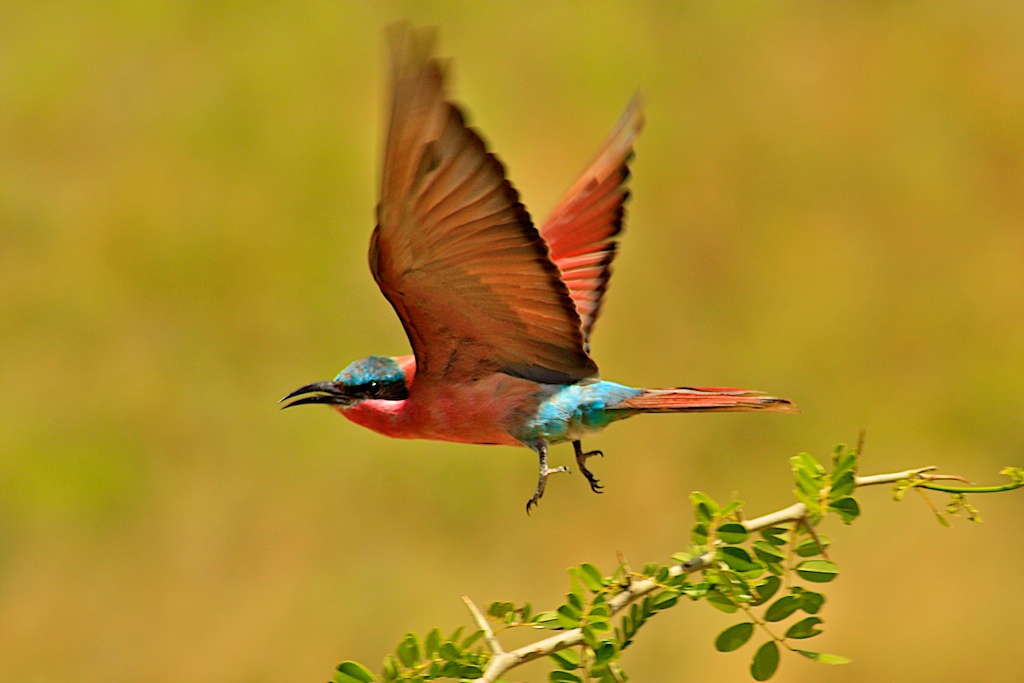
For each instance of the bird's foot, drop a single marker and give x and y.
(581, 460)
(542, 480)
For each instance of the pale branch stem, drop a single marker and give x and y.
(794, 513)
(503, 661)
(892, 478)
(481, 621)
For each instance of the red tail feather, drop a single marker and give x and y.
(707, 399)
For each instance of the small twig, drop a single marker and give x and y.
(946, 477)
(814, 534)
(928, 502)
(967, 489)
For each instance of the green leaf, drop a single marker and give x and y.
(568, 616)
(774, 535)
(732, 507)
(409, 650)
(575, 594)
(666, 599)
(810, 480)
(391, 668)
(842, 486)
(1016, 474)
(809, 547)
(734, 584)
(567, 659)
(352, 672)
(547, 619)
(704, 507)
(498, 610)
(591, 577)
(808, 463)
(811, 602)
(767, 589)
(766, 661)
(805, 628)
(432, 642)
(470, 671)
(847, 508)
(525, 613)
(843, 463)
(824, 658)
(699, 534)
(695, 591)
(449, 651)
(732, 533)
(782, 608)
(721, 602)
(807, 483)
(564, 677)
(738, 559)
(817, 571)
(600, 610)
(734, 637)
(767, 552)
(605, 652)
(471, 638)
(680, 557)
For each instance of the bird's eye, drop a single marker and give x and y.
(373, 388)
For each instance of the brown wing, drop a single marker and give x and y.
(581, 229)
(455, 252)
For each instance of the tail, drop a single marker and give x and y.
(704, 399)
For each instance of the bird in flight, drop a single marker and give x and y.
(498, 312)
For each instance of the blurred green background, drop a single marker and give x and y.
(828, 205)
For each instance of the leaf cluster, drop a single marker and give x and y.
(768, 576)
(417, 660)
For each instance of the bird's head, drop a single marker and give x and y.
(373, 377)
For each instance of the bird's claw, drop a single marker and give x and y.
(581, 460)
(542, 480)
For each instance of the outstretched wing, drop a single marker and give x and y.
(581, 229)
(455, 252)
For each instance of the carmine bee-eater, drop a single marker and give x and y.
(498, 313)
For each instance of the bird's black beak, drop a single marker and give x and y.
(330, 393)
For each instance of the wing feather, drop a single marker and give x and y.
(454, 250)
(582, 227)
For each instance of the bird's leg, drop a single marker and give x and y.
(581, 460)
(545, 472)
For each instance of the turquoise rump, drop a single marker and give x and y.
(574, 411)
